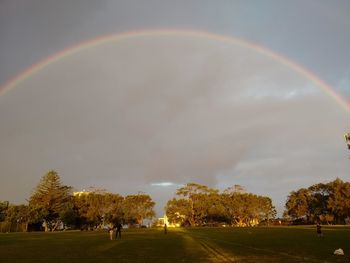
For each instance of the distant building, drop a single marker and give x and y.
(81, 193)
(164, 220)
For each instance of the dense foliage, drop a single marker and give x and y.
(199, 205)
(325, 202)
(54, 206)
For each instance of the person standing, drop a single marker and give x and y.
(119, 231)
(110, 233)
(318, 229)
(165, 229)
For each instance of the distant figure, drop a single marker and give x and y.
(318, 229)
(119, 231)
(165, 229)
(110, 233)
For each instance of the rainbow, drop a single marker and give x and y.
(330, 91)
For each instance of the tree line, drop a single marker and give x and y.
(199, 205)
(53, 205)
(324, 202)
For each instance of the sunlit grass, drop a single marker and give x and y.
(275, 244)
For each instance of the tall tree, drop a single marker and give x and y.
(138, 207)
(208, 208)
(115, 210)
(178, 211)
(266, 209)
(193, 192)
(297, 205)
(339, 200)
(98, 208)
(241, 208)
(49, 200)
(318, 201)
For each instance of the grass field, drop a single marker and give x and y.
(275, 244)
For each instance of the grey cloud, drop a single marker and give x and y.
(127, 114)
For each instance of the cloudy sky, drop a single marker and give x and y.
(191, 99)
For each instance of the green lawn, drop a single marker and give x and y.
(275, 244)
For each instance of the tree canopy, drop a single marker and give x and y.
(200, 205)
(55, 206)
(327, 202)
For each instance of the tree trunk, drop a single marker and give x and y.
(46, 226)
(25, 228)
(192, 221)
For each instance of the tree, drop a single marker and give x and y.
(339, 200)
(18, 215)
(138, 207)
(69, 215)
(328, 202)
(235, 189)
(3, 209)
(211, 209)
(115, 212)
(49, 200)
(241, 208)
(318, 202)
(193, 192)
(267, 210)
(200, 205)
(98, 208)
(297, 205)
(178, 211)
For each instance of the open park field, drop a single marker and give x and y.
(274, 244)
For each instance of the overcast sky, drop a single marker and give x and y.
(154, 112)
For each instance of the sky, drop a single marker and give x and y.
(214, 92)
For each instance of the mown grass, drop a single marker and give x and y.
(281, 244)
(275, 244)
